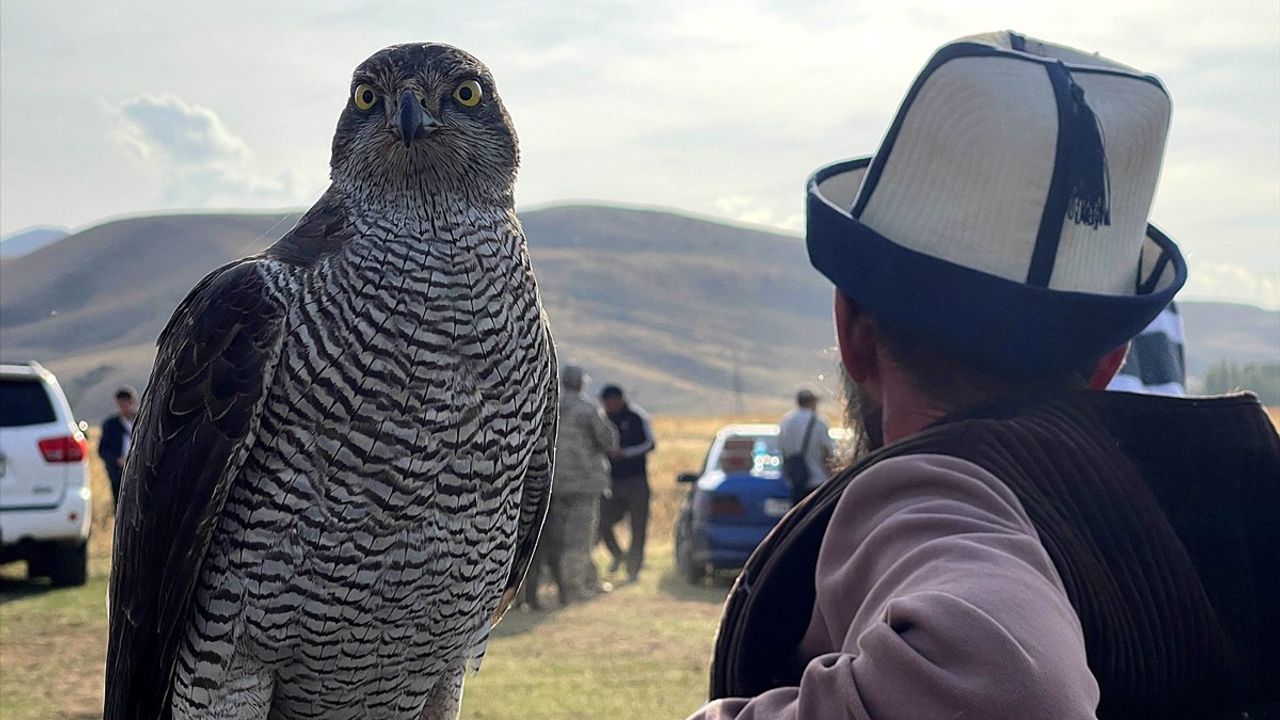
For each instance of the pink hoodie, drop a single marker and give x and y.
(935, 599)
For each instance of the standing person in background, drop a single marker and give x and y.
(584, 443)
(117, 435)
(630, 491)
(1156, 363)
(804, 439)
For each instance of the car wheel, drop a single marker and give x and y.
(690, 570)
(38, 564)
(69, 565)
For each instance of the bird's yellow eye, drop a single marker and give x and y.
(365, 96)
(468, 93)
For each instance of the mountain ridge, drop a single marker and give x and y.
(28, 240)
(690, 315)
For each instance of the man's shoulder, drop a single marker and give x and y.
(945, 440)
(794, 417)
(630, 414)
(1080, 416)
(580, 406)
(575, 401)
(113, 422)
(922, 477)
(1007, 438)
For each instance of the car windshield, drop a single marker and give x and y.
(24, 402)
(750, 453)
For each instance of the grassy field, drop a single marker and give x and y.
(640, 650)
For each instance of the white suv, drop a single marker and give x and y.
(45, 508)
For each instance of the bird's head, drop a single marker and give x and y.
(424, 119)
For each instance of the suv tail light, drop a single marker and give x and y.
(64, 449)
(725, 506)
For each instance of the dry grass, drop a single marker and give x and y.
(53, 642)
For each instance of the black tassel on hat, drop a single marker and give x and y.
(1089, 176)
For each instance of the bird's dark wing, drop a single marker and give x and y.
(536, 493)
(196, 421)
(323, 230)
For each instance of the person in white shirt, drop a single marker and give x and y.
(803, 432)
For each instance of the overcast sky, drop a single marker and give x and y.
(719, 108)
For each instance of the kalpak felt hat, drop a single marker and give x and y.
(1004, 217)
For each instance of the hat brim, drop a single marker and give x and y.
(991, 322)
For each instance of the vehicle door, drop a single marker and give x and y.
(37, 449)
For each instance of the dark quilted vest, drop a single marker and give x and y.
(1162, 516)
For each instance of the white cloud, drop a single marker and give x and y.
(1232, 283)
(168, 129)
(757, 211)
(201, 163)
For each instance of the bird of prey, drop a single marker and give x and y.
(343, 460)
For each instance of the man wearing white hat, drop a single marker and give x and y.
(1014, 543)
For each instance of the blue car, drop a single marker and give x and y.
(734, 502)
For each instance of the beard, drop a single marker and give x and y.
(863, 417)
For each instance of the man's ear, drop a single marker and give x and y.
(1107, 368)
(856, 336)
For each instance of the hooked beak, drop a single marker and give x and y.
(415, 122)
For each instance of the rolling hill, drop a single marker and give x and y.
(690, 315)
(20, 243)
(636, 296)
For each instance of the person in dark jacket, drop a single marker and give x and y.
(629, 481)
(1015, 542)
(117, 435)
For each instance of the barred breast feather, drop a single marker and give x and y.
(341, 467)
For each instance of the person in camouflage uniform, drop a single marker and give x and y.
(585, 443)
